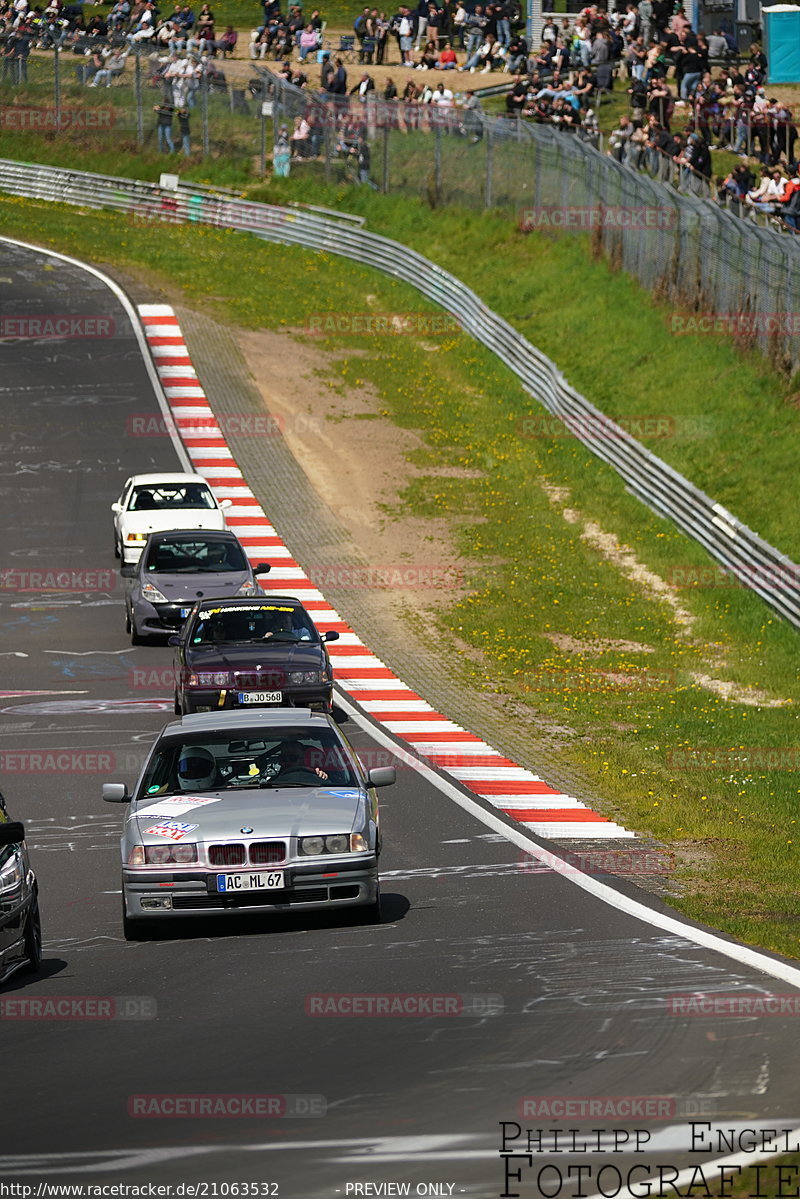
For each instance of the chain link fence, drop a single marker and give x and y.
(734, 276)
(59, 93)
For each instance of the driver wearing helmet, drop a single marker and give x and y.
(197, 769)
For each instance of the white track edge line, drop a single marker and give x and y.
(138, 332)
(601, 891)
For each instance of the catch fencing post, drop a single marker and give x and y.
(487, 189)
(137, 89)
(57, 85)
(204, 112)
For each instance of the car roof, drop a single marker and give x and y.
(247, 601)
(206, 534)
(153, 479)
(278, 718)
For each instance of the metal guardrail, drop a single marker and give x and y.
(758, 565)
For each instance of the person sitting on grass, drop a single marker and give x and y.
(447, 58)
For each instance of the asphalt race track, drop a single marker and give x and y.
(563, 995)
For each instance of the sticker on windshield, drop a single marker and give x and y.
(177, 806)
(175, 830)
(340, 792)
(206, 612)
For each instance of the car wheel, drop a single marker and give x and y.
(136, 930)
(117, 553)
(177, 706)
(136, 637)
(372, 914)
(127, 621)
(33, 937)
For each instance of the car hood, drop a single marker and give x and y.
(304, 655)
(161, 521)
(269, 812)
(180, 588)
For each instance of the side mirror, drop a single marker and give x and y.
(225, 504)
(331, 635)
(263, 568)
(128, 570)
(174, 639)
(115, 793)
(116, 507)
(382, 776)
(12, 833)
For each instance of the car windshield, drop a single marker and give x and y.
(211, 762)
(252, 622)
(195, 555)
(158, 497)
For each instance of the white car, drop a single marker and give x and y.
(158, 503)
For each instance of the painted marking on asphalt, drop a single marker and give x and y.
(394, 705)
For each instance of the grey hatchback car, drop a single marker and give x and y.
(263, 811)
(179, 567)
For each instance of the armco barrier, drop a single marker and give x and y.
(758, 565)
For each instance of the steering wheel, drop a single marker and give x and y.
(297, 774)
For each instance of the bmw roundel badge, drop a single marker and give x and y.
(246, 829)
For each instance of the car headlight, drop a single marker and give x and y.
(336, 843)
(162, 855)
(11, 875)
(304, 676)
(151, 593)
(209, 678)
(130, 537)
(248, 589)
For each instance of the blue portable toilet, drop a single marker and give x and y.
(781, 24)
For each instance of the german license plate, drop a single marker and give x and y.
(260, 697)
(271, 880)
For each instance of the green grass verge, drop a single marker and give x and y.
(518, 496)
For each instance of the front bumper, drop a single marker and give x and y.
(160, 618)
(316, 695)
(132, 553)
(195, 894)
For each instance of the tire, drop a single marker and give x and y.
(136, 930)
(136, 637)
(117, 553)
(176, 706)
(33, 937)
(127, 621)
(374, 913)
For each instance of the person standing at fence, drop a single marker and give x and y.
(363, 159)
(404, 35)
(165, 113)
(282, 154)
(421, 17)
(184, 128)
